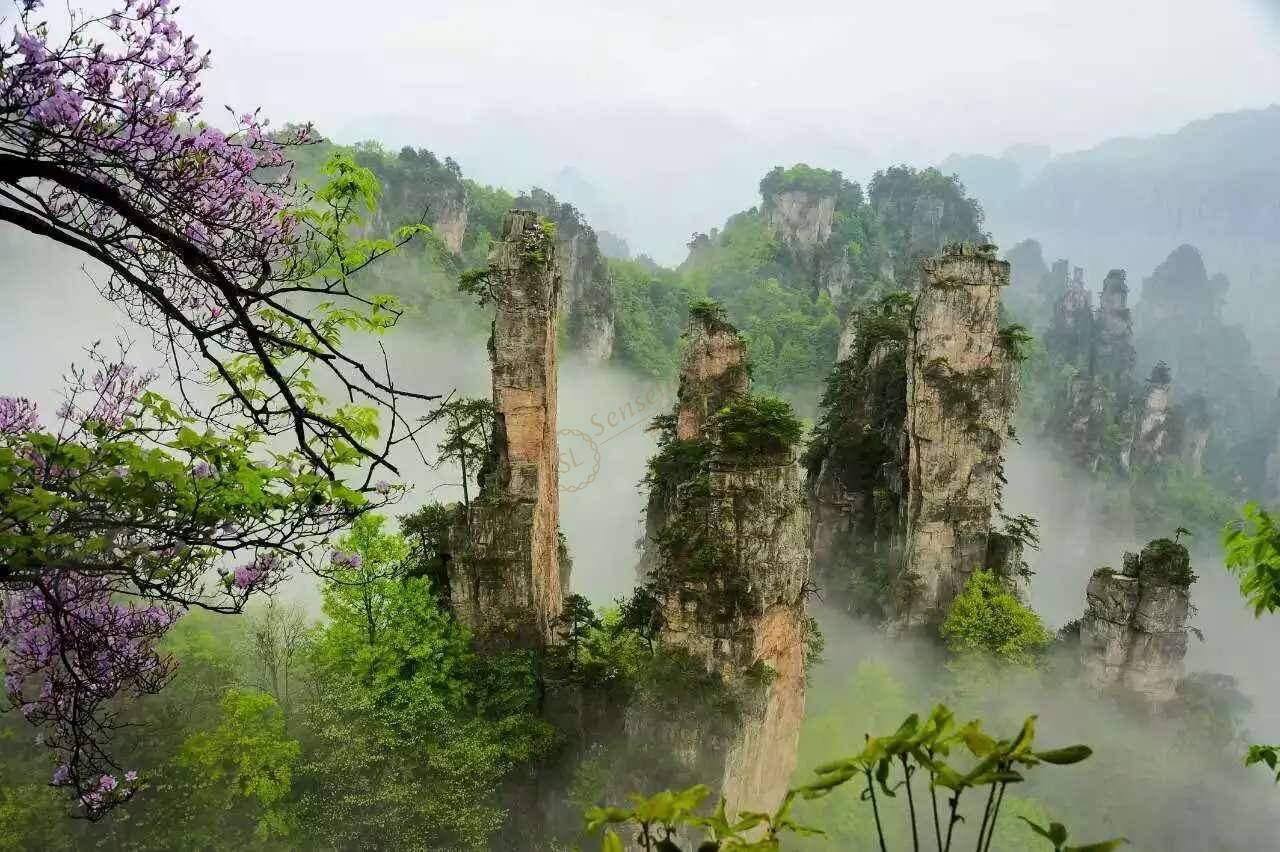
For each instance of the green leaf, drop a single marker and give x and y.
(1104, 846)
(975, 740)
(1064, 756)
(1056, 833)
(612, 842)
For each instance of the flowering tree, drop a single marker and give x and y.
(133, 507)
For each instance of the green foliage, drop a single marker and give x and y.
(863, 407)
(711, 314)
(752, 426)
(248, 755)
(1017, 342)
(916, 748)
(1173, 495)
(1267, 755)
(426, 532)
(1252, 547)
(468, 440)
(986, 618)
(574, 625)
(659, 819)
(651, 306)
(1162, 561)
(1056, 834)
(921, 211)
(800, 178)
(409, 731)
(676, 461)
(641, 614)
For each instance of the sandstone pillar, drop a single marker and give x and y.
(1134, 632)
(506, 572)
(961, 391)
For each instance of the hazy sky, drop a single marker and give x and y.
(650, 101)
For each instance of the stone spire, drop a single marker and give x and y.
(1152, 442)
(1113, 353)
(961, 391)
(1134, 632)
(507, 576)
(712, 371)
(728, 563)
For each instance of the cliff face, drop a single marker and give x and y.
(728, 562)
(1134, 633)
(1103, 419)
(447, 216)
(905, 464)
(506, 572)
(961, 391)
(587, 297)
(801, 217)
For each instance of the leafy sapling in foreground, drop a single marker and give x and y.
(887, 766)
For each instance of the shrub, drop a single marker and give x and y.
(986, 618)
(750, 426)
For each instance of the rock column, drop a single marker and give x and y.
(729, 564)
(1134, 633)
(961, 391)
(506, 576)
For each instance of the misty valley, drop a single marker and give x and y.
(349, 501)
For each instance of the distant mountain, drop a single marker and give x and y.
(1214, 184)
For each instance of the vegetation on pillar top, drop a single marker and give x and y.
(1163, 562)
(752, 426)
(537, 243)
(800, 178)
(711, 315)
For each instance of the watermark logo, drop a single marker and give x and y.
(581, 449)
(579, 460)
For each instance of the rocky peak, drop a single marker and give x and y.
(507, 577)
(713, 369)
(800, 204)
(1134, 632)
(727, 559)
(1115, 292)
(587, 292)
(1113, 354)
(1151, 438)
(961, 392)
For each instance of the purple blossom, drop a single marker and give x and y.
(348, 560)
(131, 777)
(17, 415)
(202, 469)
(265, 569)
(382, 486)
(68, 647)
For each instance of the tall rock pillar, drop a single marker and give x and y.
(961, 391)
(507, 575)
(728, 564)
